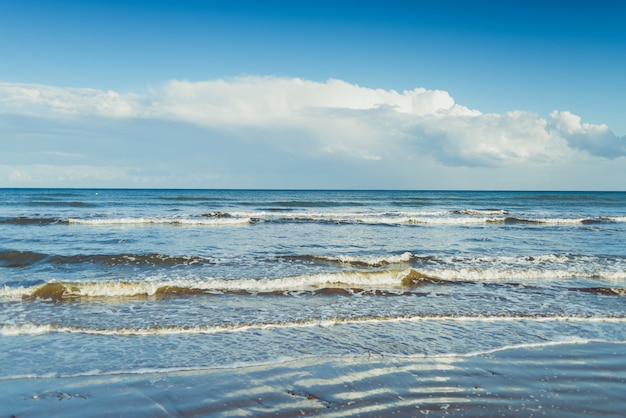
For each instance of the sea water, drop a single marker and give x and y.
(100, 282)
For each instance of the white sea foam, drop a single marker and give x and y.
(560, 221)
(37, 329)
(14, 292)
(114, 289)
(150, 287)
(375, 218)
(469, 220)
(378, 280)
(615, 218)
(495, 274)
(458, 217)
(371, 260)
(545, 344)
(26, 329)
(483, 212)
(162, 221)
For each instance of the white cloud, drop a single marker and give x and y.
(597, 140)
(490, 140)
(262, 100)
(37, 98)
(335, 117)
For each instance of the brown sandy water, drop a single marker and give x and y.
(569, 380)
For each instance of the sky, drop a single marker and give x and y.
(481, 95)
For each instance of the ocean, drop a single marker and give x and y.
(112, 283)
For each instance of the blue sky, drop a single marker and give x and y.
(299, 94)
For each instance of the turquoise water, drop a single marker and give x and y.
(108, 281)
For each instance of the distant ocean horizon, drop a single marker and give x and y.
(101, 282)
(316, 189)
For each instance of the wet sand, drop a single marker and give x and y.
(568, 380)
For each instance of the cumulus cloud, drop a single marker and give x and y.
(336, 117)
(490, 140)
(597, 140)
(261, 100)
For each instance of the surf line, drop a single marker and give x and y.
(31, 329)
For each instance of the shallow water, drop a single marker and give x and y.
(565, 380)
(96, 282)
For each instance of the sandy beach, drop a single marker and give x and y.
(571, 380)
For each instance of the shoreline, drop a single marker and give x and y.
(571, 380)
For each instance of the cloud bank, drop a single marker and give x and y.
(314, 120)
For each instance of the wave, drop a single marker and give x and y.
(482, 212)
(544, 344)
(359, 261)
(550, 221)
(386, 282)
(457, 217)
(17, 259)
(382, 218)
(616, 219)
(277, 215)
(200, 221)
(484, 268)
(381, 283)
(521, 274)
(9, 330)
(25, 220)
(607, 291)
(479, 268)
(209, 219)
(13, 259)
(131, 259)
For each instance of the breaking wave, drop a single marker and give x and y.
(200, 221)
(481, 212)
(383, 283)
(359, 261)
(277, 215)
(36, 329)
(320, 283)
